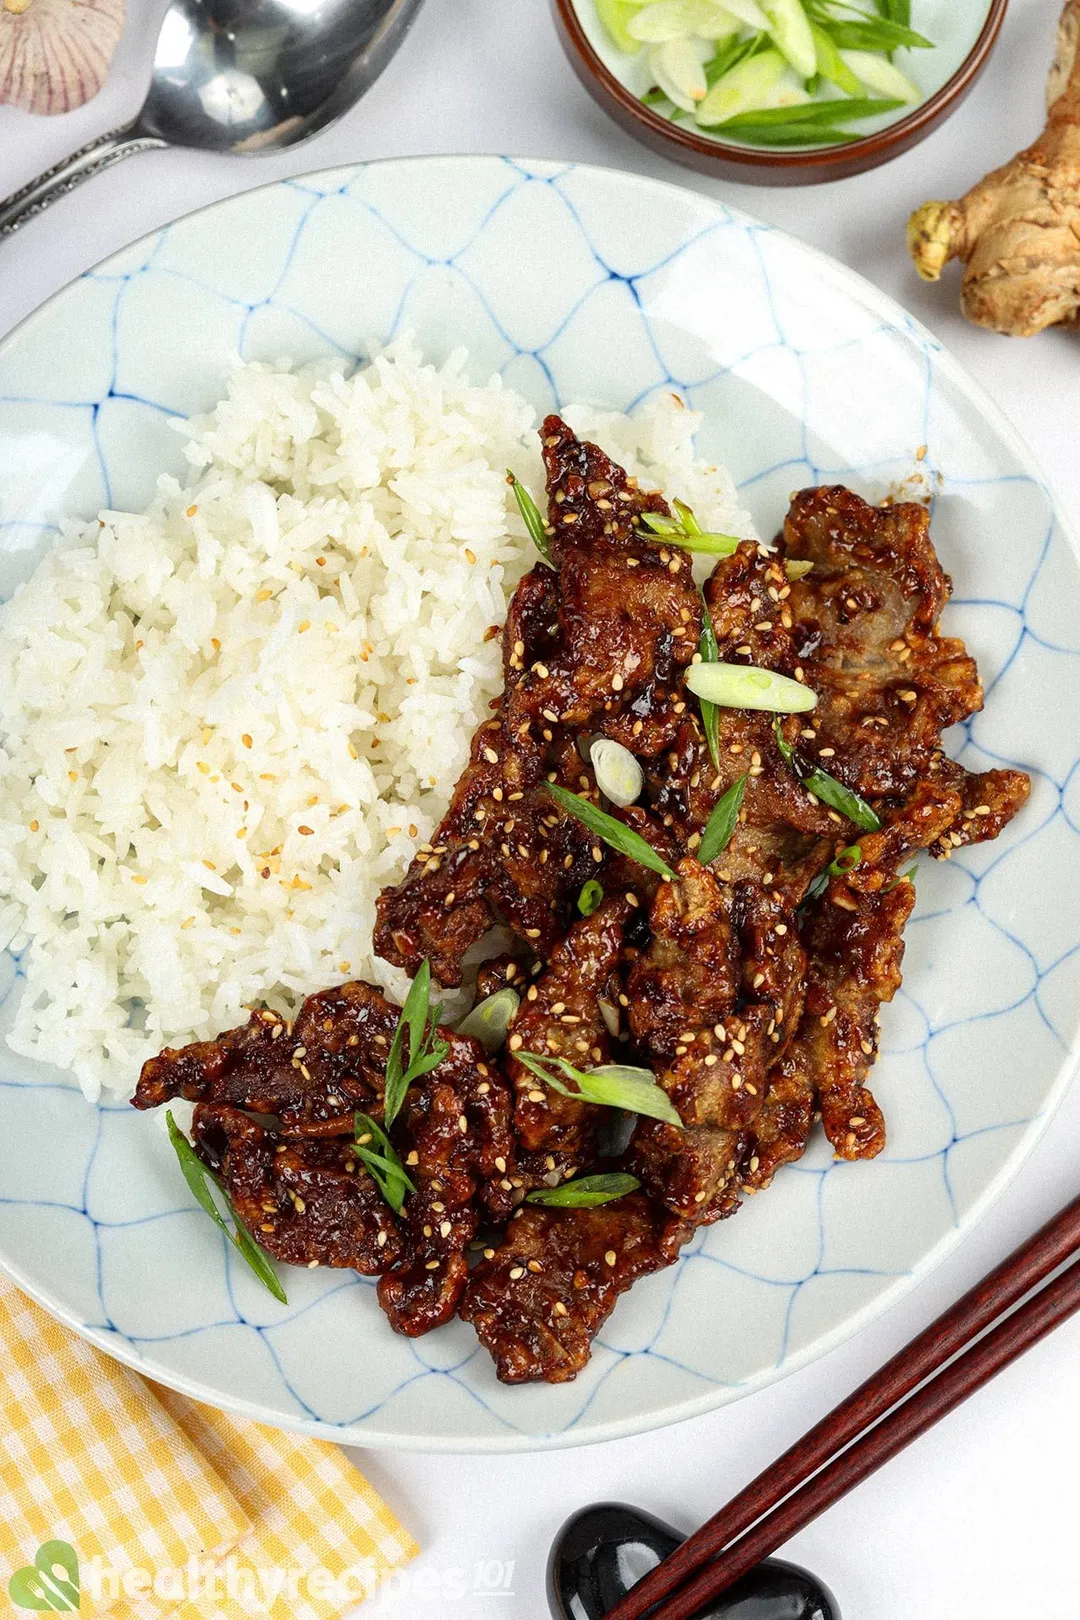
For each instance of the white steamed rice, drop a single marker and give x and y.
(227, 722)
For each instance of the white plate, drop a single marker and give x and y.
(576, 283)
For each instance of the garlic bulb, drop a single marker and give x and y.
(55, 54)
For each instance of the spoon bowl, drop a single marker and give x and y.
(239, 76)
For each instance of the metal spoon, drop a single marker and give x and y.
(244, 76)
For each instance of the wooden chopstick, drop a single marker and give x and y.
(812, 1468)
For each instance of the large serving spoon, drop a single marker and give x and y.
(244, 76)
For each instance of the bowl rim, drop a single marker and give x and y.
(863, 153)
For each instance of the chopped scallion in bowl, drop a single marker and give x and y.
(820, 88)
(772, 73)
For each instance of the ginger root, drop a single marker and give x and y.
(1018, 231)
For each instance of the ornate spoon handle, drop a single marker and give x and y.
(65, 176)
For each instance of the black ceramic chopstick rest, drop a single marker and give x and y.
(602, 1551)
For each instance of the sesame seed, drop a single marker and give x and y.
(611, 1257)
(516, 1272)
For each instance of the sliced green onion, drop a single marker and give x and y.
(745, 686)
(679, 71)
(709, 653)
(793, 135)
(586, 1192)
(695, 539)
(846, 861)
(787, 753)
(615, 16)
(198, 1177)
(878, 73)
(531, 516)
(656, 98)
(612, 1085)
(749, 14)
(828, 789)
(590, 898)
(387, 1170)
(790, 29)
(743, 87)
(663, 21)
(418, 1021)
(841, 798)
(812, 114)
(903, 877)
(730, 53)
(618, 774)
(490, 1019)
(609, 830)
(831, 65)
(875, 34)
(721, 823)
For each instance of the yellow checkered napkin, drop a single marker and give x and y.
(170, 1508)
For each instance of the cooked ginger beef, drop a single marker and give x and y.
(743, 994)
(540, 1298)
(299, 1197)
(300, 1188)
(594, 643)
(561, 1016)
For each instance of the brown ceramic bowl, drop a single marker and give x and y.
(768, 166)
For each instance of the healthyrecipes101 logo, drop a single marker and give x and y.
(50, 1582)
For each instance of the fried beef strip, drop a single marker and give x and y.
(301, 1187)
(865, 626)
(595, 643)
(718, 992)
(301, 1199)
(561, 1017)
(311, 1072)
(457, 1120)
(711, 1047)
(540, 1298)
(855, 946)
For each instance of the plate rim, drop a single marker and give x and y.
(581, 1432)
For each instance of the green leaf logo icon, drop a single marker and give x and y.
(50, 1582)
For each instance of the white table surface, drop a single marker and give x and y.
(977, 1520)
